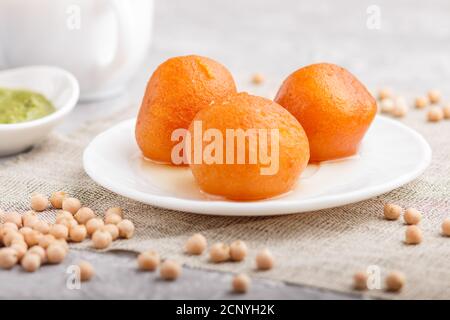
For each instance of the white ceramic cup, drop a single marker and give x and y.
(102, 42)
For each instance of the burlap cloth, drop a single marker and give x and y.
(321, 249)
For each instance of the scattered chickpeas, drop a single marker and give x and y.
(219, 252)
(384, 93)
(400, 108)
(39, 202)
(71, 204)
(148, 260)
(434, 96)
(40, 252)
(238, 250)
(63, 215)
(170, 270)
(360, 280)
(84, 214)
(42, 227)
(421, 102)
(241, 283)
(264, 260)
(69, 223)
(112, 218)
(86, 271)
(446, 110)
(395, 281)
(56, 253)
(63, 243)
(78, 233)
(8, 258)
(413, 235)
(112, 229)
(126, 228)
(46, 240)
(30, 262)
(257, 78)
(196, 244)
(392, 211)
(13, 217)
(59, 231)
(93, 225)
(10, 236)
(412, 216)
(387, 105)
(446, 227)
(57, 198)
(101, 239)
(435, 114)
(114, 210)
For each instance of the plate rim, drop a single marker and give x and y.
(261, 207)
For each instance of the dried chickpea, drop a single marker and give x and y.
(114, 210)
(170, 270)
(31, 262)
(241, 283)
(42, 227)
(56, 253)
(264, 260)
(62, 215)
(25, 230)
(13, 217)
(59, 231)
(395, 281)
(84, 215)
(10, 226)
(71, 204)
(387, 105)
(400, 110)
(8, 258)
(40, 252)
(32, 238)
(126, 229)
(39, 202)
(148, 260)
(93, 225)
(360, 280)
(421, 102)
(57, 198)
(63, 243)
(30, 221)
(113, 218)
(434, 96)
(20, 247)
(412, 216)
(86, 270)
(392, 211)
(257, 78)
(446, 227)
(78, 233)
(69, 223)
(10, 236)
(196, 244)
(112, 229)
(413, 235)
(238, 250)
(446, 110)
(384, 93)
(46, 240)
(435, 114)
(101, 239)
(219, 252)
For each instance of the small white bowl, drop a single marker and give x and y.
(57, 85)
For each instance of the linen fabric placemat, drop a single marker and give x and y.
(321, 249)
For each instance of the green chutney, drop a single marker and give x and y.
(22, 105)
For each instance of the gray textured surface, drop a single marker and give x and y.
(409, 52)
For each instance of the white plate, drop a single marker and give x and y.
(390, 156)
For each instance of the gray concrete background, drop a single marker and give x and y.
(410, 52)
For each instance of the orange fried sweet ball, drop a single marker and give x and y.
(251, 148)
(334, 108)
(177, 90)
